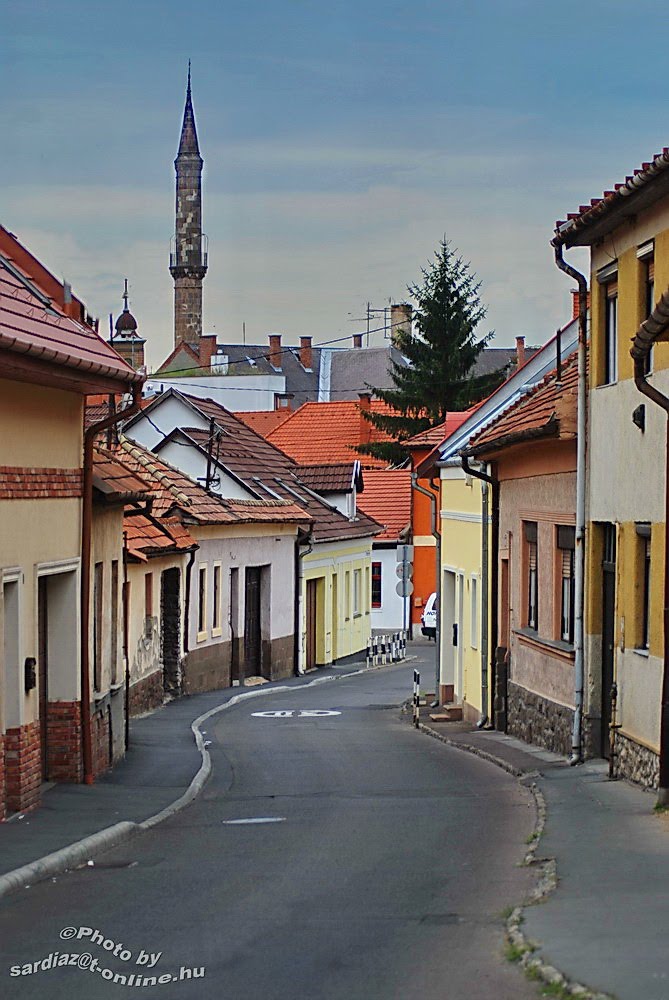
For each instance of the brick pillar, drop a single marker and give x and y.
(64, 759)
(23, 767)
(100, 741)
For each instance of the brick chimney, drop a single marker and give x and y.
(400, 321)
(357, 340)
(520, 352)
(275, 350)
(574, 302)
(207, 349)
(364, 405)
(305, 353)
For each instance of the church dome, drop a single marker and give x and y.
(126, 322)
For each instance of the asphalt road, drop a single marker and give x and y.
(378, 867)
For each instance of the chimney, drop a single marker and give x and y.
(574, 302)
(400, 322)
(275, 350)
(357, 340)
(305, 352)
(365, 406)
(520, 352)
(207, 349)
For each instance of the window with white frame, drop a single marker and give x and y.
(202, 600)
(474, 599)
(357, 591)
(216, 597)
(566, 547)
(532, 575)
(611, 332)
(643, 576)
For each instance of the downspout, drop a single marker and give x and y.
(579, 554)
(437, 589)
(649, 331)
(126, 653)
(485, 604)
(86, 532)
(489, 678)
(299, 602)
(189, 569)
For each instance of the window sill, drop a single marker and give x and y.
(642, 652)
(606, 385)
(216, 632)
(201, 636)
(358, 614)
(528, 637)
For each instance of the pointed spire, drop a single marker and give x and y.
(188, 142)
(125, 297)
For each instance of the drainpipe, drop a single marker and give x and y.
(437, 538)
(485, 604)
(579, 554)
(493, 571)
(299, 602)
(650, 330)
(189, 569)
(86, 523)
(126, 653)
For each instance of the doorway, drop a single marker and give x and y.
(252, 633)
(335, 619)
(608, 631)
(43, 668)
(170, 629)
(449, 636)
(312, 618)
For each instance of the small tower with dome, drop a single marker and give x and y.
(125, 339)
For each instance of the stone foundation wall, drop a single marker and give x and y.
(63, 740)
(100, 742)
(539, 721)
(636, 762)
(282, 658)
(147, 694)
(23, 767)
(207, 668)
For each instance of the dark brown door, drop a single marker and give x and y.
(170, 629)
(252, 662)
(43, 666)
(608, 630)
(312, 591)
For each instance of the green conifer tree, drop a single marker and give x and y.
(442, 350)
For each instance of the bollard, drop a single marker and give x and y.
(416, 698)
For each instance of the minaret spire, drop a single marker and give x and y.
(188, 256)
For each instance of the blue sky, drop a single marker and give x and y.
(341, 142)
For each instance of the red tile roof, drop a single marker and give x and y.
(387, 498)
(328, 478)
(437, 435)
(548, 410)
(114, 479)
(149, 536)
(263, 421)
(173, 491)
(572, 230)
(30, 326)
(328, 433)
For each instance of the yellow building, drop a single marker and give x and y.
(627, 231)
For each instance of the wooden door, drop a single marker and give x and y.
(43, 667)
(608, 631)
(252, 646)
(335, 618)
(312, 615)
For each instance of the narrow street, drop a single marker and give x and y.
(378, 866)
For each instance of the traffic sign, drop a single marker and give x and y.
(404, 588)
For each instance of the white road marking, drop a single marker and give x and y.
(312, 713)
(254, 819)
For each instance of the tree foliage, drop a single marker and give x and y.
(442, 350)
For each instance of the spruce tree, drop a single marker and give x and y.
(441, 350)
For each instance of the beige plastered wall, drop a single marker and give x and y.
(340, 631)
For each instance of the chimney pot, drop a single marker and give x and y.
(305, 353)
(357, 340)
(520, 351)
(275, 350)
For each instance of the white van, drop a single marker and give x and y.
(428, 619)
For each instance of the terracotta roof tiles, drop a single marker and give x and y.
(328, 433)
(387, 498)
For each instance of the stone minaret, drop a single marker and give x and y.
(188, 256)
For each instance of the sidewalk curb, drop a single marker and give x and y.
(81, 850)
(521, 948)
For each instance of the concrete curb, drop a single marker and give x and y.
(520, 948)
(81, 850)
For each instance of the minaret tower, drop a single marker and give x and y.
(188, 254)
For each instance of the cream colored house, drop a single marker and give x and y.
(56, 680)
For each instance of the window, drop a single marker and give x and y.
(202, 600)
(566, 545)
(347, 595)
(216, 613)
(649, 302)
(98, 580)
(532, 606)
(357, 591)
(474, 598)
(611, 334)
(643, 575)
(114, 621)
(376, 584)
(148, 604)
